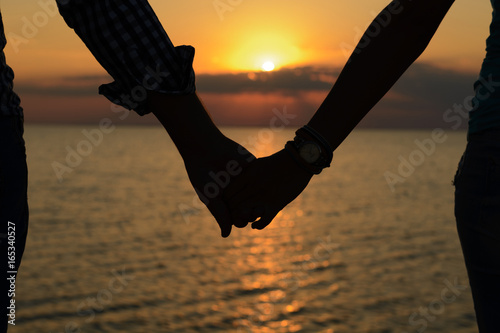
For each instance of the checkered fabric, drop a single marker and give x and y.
(9, 101)
(128, 40)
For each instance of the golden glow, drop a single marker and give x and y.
(246, 37)
(258, 48)
(268, 66)
(290, 36)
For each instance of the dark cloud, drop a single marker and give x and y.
(422, 97)
(284, 80)
(424, 82)
(33, 89)
(419, 99)
(77, 86)
(421, 80)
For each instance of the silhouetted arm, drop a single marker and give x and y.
(211, 159)
(152, 75)
(377, 63)
(380, 59)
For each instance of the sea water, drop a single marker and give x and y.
(118, 242)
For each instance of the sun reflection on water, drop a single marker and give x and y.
(277, 270)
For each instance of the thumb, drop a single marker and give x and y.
(265, 220)
(221, 213)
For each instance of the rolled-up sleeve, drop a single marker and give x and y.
(128, 40)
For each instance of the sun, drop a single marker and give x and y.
(268, 66)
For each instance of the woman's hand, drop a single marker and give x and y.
(212, 171)
(264, 188)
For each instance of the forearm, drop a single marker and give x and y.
(187, 122)
(375, 66)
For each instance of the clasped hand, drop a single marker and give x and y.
(239, 189)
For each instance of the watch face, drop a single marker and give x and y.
(310, 152)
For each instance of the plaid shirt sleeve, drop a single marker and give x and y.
(128, 40)
(9, 101)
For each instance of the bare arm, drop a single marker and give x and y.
(382, 56)
(129, 41)
(377, 63)
(211, 159)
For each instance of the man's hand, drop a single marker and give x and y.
(212, 160)
(264, 189)
(212, 171)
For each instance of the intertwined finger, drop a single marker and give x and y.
(265, 220)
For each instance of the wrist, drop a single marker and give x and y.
(310, 150)
(202, 146)
(296, 167)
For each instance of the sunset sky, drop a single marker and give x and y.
(57, 77)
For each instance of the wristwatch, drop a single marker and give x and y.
(310, 150)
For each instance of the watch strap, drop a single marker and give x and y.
(291, 148)
(319, 138)
(306, 135)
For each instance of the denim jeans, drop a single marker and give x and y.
(477, 210)
(13, 206)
